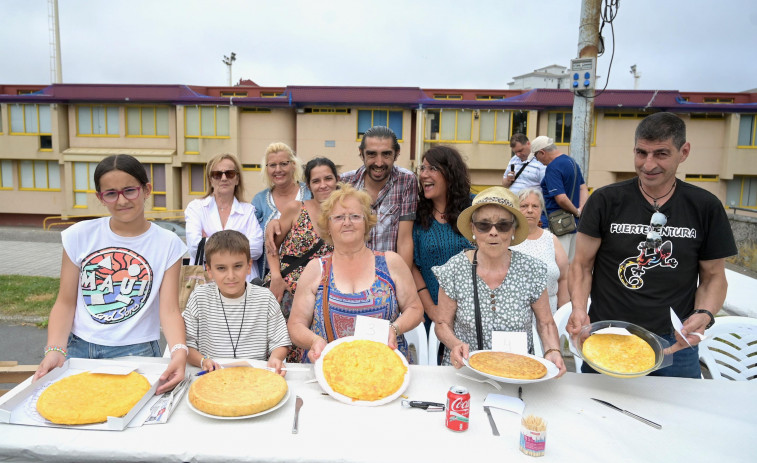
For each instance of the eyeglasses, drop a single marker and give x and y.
(111, 196)
(344, 217)
(502, 227)
(431, 169)
(218, 174)
(274, 165)
(654, 235)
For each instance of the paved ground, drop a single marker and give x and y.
(30, 251)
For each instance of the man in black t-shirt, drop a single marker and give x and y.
(653, 243)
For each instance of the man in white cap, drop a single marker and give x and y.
(523, 171)
(563, 186)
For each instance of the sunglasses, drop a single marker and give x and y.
(111, 196)
(502, 227)
(218, 174)
(654, 235)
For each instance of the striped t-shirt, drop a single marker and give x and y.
(256, 313)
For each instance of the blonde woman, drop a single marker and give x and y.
(282, 174)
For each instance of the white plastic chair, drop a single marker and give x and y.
(561, 320)
(433, 345)
(417, 337)
(730, 349)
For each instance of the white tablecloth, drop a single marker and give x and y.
(702, 420)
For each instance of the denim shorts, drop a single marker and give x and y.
(685, 362)
(79, 348)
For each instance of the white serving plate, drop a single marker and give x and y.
(348, 400)
(552, 370)
(243, 417)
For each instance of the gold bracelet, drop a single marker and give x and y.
(396, 330)
(551, 350)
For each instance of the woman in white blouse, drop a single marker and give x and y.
(223, 208)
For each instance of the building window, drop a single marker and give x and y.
(446, 96)
(270, 94)
(707, 116)
(490, 97)
(97, 120)
(233, 94)
(328, 110)
(624, 115)
(84, 182)
(156, 175)
(718, 100)
(702, 178)
(255, 110)
(251, 167)
(498, 126)
(39, 175)
(6, 175)
(747, 130)
(742, 192)
(559, 127)
(373, 117)
(449, 125)
(204, 122)
(30, 119)
(146, 121)
(197, 185)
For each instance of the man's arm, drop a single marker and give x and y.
(582, 197)
(580, 278)
(565, 204)
(405, 242)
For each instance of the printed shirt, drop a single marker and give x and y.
(397, 201)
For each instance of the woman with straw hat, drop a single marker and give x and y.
(493, 288)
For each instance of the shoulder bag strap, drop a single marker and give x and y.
(479, 334)
(200, 255)
(520, 171)
(325, 304)
(295, 262)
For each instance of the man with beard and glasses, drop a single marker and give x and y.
(393, 190)
(653, 243)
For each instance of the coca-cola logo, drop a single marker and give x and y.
(460, 404)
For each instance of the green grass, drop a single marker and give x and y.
(27, 297)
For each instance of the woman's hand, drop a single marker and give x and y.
(53, 359)
(392, 342)
(556, 358)
(272, 230)
(314, 353)
(174, 372)
(458, 353)
(277, 286)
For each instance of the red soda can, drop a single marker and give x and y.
(458, 408)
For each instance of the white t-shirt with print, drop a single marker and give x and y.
(119, 281)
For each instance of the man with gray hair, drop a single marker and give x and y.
(652, 244)
(563, 186)
(523, 171)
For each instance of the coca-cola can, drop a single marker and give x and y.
(458, 409)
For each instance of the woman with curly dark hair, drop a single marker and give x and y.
(444, 193)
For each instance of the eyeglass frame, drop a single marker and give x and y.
(498, 225)
(101, 194)
(282, 164)
(230, 174)
(432, 169)
(342, 218)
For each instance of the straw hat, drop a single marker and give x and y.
(497, 196)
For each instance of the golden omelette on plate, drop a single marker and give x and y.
(237, 391)
(619, 353)
(87, 398)
(507, 365)
(364, 370)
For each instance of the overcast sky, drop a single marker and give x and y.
(688, 45)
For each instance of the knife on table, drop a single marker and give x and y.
(428, 406)
(632, 415)
(495, 431)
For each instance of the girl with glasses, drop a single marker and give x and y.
(507, 288)
(282, 175)
(119, 280)
(223, 208)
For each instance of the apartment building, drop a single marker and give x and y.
(52, 137)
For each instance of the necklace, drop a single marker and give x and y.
(655, 205)
(442, 215)
(244, 310)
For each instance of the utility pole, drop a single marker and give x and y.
(583, 104)
(227, 60)
(56, 69)
(636, 77)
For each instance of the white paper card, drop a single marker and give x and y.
(505, 402)
(677, 325)
(373, 329)
(122, 368)
(613, 330)
(507, 341)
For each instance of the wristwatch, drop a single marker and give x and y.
(712, 317)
